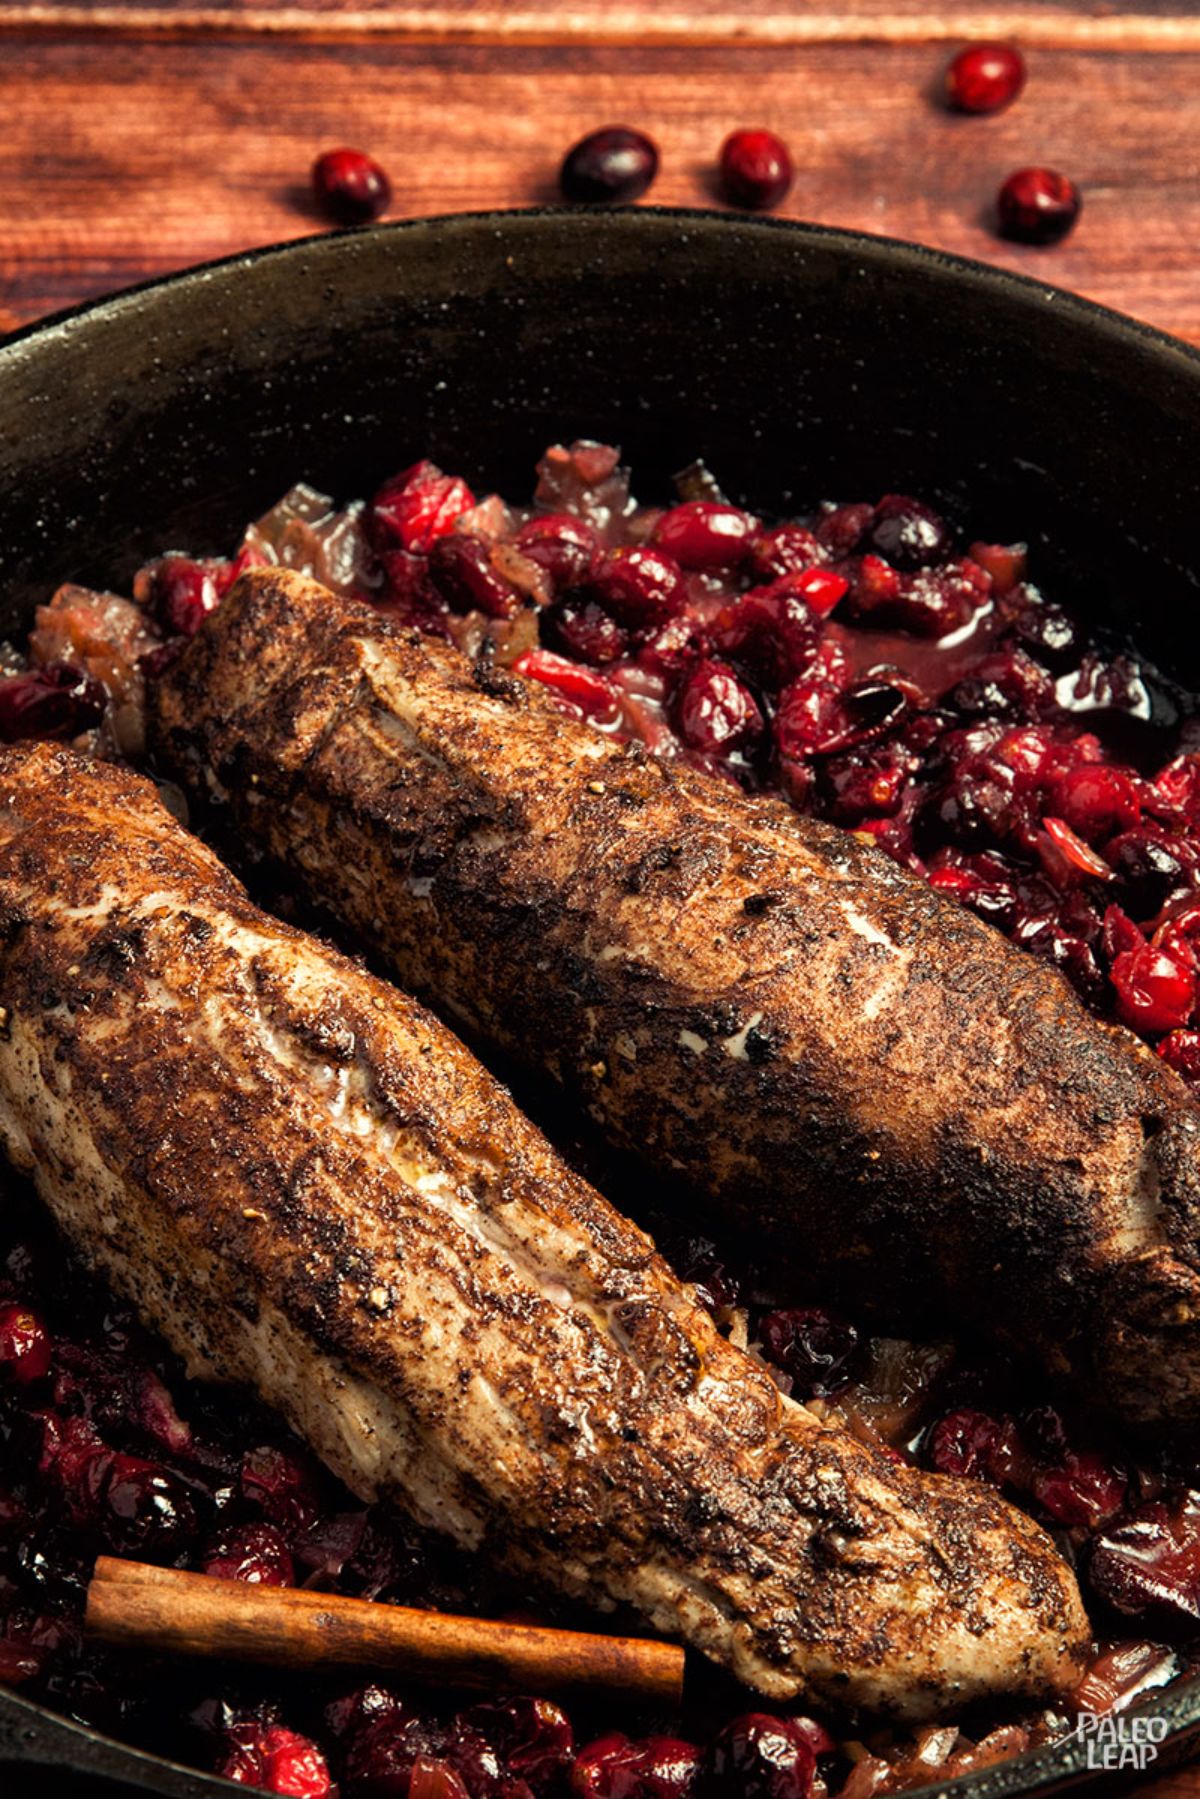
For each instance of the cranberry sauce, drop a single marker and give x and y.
(866, 666)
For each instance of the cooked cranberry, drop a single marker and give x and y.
(815, 720)
(1154, 991)
(1046, 631)
(771, 632)
(717, 712)
(1151, 1562)
(985, 77)
(281, 1485)
(814, 1346)
(1122, 1673)
(698, 1260)
(533, 1737)
(464, 572)
(580, 627)
(148, 1507)
(759, 1757)
(579, 688)
(24, 1344)
(381, 1757)
(614, 164)
(841, 528)
(276, 1759)
(1083, 1490)
(255, 1553)
(19, 1663)
(703, 534)
(412, 510)
(354, 1712)
(755, 168)
(1037, 206)
(640, 587)
(58, 701)
(433, 1778)
(614, 1768)
(784, 551)
(565, 548)
(351, 186)
(1149, 871)
(1004, 562)
(1065, 855)
(1097, 801)
(909, 534)
(973, 1445)
(1181, 1051)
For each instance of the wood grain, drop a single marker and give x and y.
(123, 158)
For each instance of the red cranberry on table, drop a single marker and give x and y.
(351, 186)
(985, 78)
(755, 168)
(613, 165)
(1037, 206)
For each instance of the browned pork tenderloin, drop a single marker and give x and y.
(303, 1181)
(756, 1002)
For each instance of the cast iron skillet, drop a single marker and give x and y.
(799, 362)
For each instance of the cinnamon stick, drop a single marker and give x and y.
(195, 1614)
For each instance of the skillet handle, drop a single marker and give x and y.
(32, 1736)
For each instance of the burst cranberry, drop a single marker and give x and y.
(412, 510)
(24, 1344)
(255, 1553)
(463, 571)
(973, 1445)
(717, 712)
(579, 688)
(909, 534)
(1151, 1562)
(1065, 856)
(759, 1757)
(1154, 991)
(614, 1768)
(1181, 1051)
(755, 168)
(1097, 801)
(565, 548)
(277, 1760)
(771, 632)
(613, 165)
(985, 78)
(58, 701)
(1149, 869)
(1084, 1490)
(785, 550)
(814, 1346)
(1037, 206)
(640, 587)
(815, 720)
(148, 1507)
(356, 1711)
(281, 1485)
(705, 534)
(532, 1737)
(581, 628)
(351, 186)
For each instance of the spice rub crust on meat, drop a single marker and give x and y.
(305, 1182)
(847, 1062)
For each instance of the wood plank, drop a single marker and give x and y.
(1164, 25)
(124, 159)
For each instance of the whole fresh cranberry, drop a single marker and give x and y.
(909, 534)
(564, 547)
(1037, 206)
(57, 701)
(717, 712)
(24, 1344)
(1155, 992)
(640, 587)
(814, 1346)
(759, 1757)
(613, 165)
(462, 569)
(755, 168)
(412, 510)
(580, 627)
(351, 186)
(985, 78)
(255, 1553)
(705, 534)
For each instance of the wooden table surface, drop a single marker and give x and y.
(139, 137)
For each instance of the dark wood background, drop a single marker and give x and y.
(137, 138)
